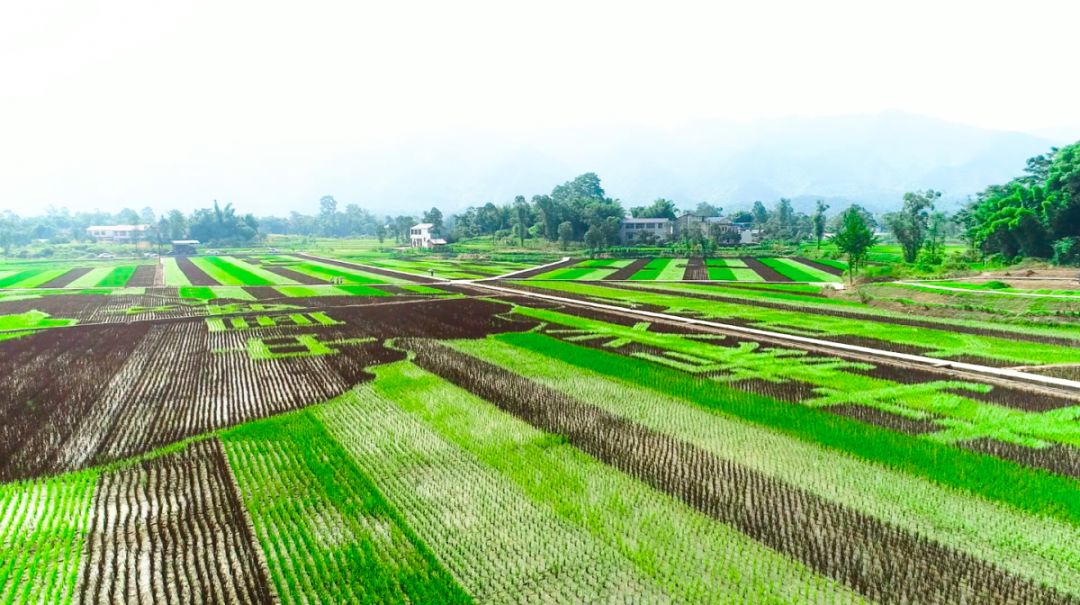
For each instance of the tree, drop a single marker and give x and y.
(328, 216)
(742, 217)
(723, 235)
(760, 214)
(174, 225)
(435, 217)
(909, 226)
(147, 216)
(522, 218)
(549, 215)
(582, 202)
(854, 239)
(837, 221)
(660, 208)
(127, 216)
(7, 239)
(222, 225)
(401, 226)
(783, 224)
(566, 233)
(933, 251)
(819, 221)
(594, 238)
(707, 210)
(1061, 203)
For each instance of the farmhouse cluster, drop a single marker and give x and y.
(687, 225)
(646, 231)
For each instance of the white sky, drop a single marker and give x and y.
(94, 94)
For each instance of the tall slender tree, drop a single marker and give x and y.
(854, 239)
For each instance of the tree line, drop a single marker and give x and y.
(1035, 215)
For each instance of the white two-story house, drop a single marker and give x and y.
(421, 236)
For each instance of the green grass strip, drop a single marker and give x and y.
(744, 274)
(835, 264)
(303, 291)
(576, 273)
(91, 278)
(229, 274)
(1027, 489)
(602, 263)
(117, 278)
(674, 270)
(360, 290)
(420, 289)
(721, 273)
(322, 271)
(822, 276)
(173, 275)
(199, 292)
(259, 272)
(15, 278)
(789, 271)
(215, 292)
(32, 320)
(40, 279)
(326, 529)
(652, 270)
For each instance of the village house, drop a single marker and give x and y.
(422, 236)
(660, 230)
(652, 230)
(117, 233)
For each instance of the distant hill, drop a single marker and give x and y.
(872, 160)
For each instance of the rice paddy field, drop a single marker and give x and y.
(77, 274)
(299, 428)
(743, 269)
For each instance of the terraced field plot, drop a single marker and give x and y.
(301, 441)
(442, 268)
(697, 269)
(76, 274)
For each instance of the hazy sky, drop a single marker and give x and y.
(104, 104)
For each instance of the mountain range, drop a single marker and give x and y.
(871, 160)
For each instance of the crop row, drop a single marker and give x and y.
(684, 552)
(1033, 546)
(42, 527)
(171, 530)
(997, 480)
(327, 533)
(130, 388)
(500, 545)
(877, 559)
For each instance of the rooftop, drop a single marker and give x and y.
(423, 226)
(119, 227)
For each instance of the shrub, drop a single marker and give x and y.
(1067, 251)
